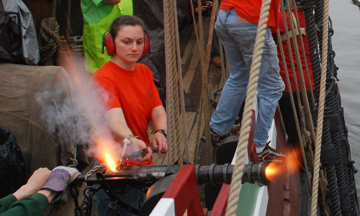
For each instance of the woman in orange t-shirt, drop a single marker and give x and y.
(131, 102)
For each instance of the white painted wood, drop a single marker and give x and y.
(272, 135)
(165, 207)
(262, 201)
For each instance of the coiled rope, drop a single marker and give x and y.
(48, 38)
(246, 120)
(320, 111)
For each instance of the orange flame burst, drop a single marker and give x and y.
(288, 167)
(108, 153)
(110, 162)
(272, 170)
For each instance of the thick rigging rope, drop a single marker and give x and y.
(204, 112)
(246, 120)
(184, 147)
(200, 45)
(301, 140)
(300, 71)
(320, 110)
(205, 69)
(294, 71)
(304, 55)
(305, 140)
(172, 104)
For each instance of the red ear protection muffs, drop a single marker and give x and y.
(109, 43)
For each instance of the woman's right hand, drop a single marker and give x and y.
(139, 145)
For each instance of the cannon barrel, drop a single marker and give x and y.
(218, 174)
(215, 174)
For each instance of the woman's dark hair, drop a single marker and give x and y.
(125, 20)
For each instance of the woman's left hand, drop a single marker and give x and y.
(159, 141)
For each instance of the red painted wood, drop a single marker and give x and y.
(219, 208)
(184, 191)
(284, 191)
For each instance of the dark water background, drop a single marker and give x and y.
(345, 18)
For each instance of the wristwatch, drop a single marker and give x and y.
(163, 132)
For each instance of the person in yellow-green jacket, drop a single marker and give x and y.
(98, 15)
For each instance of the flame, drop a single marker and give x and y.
(288, 167)
(107, 152)
(273, 170)
(294, 160)
(110, 162)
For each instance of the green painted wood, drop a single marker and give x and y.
(247, 199)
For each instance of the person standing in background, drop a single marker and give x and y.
(236, 26)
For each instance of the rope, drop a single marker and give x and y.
(308, 122)
(205, 69)
(184, 147)
(304, 55)
(204, 65)
(48, 38)
(298, 130)
(321, 110)
(173, 75)
(169, 59)
(204, 61)
(200, 107)
(300, 70)
(53, 8)
(301, 141)
(246, 120)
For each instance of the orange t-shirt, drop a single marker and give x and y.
(132, 91)
(250, 11)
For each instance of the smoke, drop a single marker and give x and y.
(72, 107)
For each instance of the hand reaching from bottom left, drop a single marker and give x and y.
(60, 178)
(35, 182)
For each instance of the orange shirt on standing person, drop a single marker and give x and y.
(249, 10)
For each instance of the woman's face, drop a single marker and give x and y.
(129, 43)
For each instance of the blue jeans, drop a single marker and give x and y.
(133, 196)
(238, 39)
